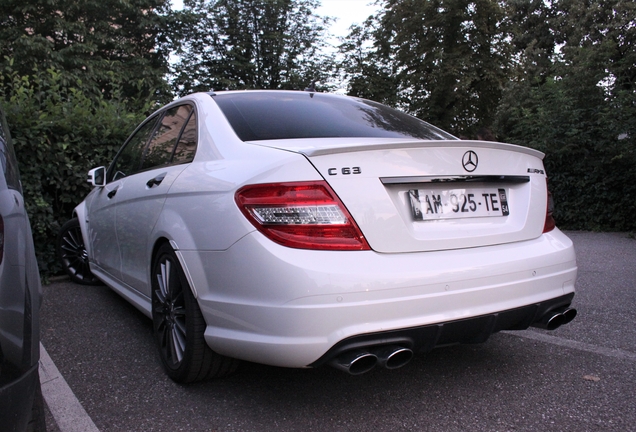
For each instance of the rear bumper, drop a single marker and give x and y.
(288, 307)
(467, 331)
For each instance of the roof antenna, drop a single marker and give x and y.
(312, 87)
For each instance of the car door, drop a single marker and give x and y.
(141, 196)
(101, 209)
(20, 300)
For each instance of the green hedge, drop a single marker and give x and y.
(60, 130)
(590, 144)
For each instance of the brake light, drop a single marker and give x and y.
(302, 215)
(550, 223)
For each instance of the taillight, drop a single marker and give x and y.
(550, 223)
(303, 215)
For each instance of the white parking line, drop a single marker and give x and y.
(582, 346)
(69, 414)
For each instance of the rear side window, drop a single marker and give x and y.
(256, 116)
(160, 149)
(7, 157)
(187, 145)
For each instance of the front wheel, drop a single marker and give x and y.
(72, 254)
(179, 325)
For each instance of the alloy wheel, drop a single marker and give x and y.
(170, 313)
(73, 255)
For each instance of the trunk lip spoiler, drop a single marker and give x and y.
(455, 179)
(310, 148)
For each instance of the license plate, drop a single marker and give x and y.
(427, 204)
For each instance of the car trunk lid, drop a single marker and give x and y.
(412, 196)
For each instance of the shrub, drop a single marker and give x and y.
(61, 128)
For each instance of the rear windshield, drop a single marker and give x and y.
(257, 116)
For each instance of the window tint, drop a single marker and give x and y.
(167, 138)
(159, 150)
(128, 161)
(7, 157)
(286, 115)
(187, 145)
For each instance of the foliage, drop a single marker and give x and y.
(369, 74)
(251, 44)
(60, 131)
(579, 107)
(445, 59)
(72, 73)
(91, 40)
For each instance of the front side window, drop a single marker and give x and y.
(128, 160)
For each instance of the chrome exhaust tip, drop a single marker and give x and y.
(568, 315)
(355, 362)
(554, 322)
(555, 319)
(393, 356)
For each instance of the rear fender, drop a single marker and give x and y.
(164, 231)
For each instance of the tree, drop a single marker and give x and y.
(579, 107)
(531, 26)
(59, 131)
(449, 59)
(75, 78)
(103, 43)
(252, 44)
(368, 74)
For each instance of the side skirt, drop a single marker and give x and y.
(133, 296)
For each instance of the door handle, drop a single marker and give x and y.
(112, 193)
(156, 181)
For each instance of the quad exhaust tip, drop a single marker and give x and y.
(357, 362)
(556, 318)
(393, 357)
(362, 360)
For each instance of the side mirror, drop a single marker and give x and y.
(97, 176)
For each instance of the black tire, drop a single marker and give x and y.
(179, 325)
(72, 254)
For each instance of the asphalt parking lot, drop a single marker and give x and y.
(580, 377)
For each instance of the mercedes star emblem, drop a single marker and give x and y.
(470, 161)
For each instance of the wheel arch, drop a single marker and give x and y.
(159, 242)
(80, 213)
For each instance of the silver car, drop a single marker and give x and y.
(300, 229)
(21, 405)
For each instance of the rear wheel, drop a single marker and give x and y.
(179, 325)
(72, 254)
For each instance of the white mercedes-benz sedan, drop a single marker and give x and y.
(300, 229)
